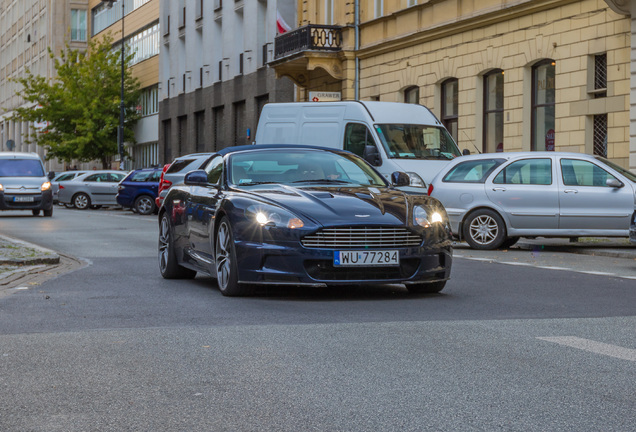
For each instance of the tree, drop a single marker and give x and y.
(82, 104)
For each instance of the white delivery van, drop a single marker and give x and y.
(391, 136)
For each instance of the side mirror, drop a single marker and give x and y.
(465, 152)
(196, 178)
(399, 178)
(614, 183)
(51, 175)
(372, 155)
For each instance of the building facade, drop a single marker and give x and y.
(501, 75)
(27, 29)
(141, 29)
(213, 72)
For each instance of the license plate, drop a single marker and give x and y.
(23, 199)
(366, 258)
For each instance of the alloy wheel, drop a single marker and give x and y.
(484, 229)
(223, 256)
(164, 244)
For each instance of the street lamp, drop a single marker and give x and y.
(122, 108)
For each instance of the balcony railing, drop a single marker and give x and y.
(310, 37)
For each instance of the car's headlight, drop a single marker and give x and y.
(425, 218)
(416, 180)
(265, 215)
(1, 188)
(45, 186)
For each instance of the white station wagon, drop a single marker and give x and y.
(492, 199)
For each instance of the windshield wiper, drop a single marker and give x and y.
(322, 181)
(256, 183)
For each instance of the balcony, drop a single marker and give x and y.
(311, 37)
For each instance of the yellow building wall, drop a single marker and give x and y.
(428, 43)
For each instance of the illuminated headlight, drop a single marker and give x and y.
(416, 180)
(45, 186)
(273, 216)
(425, 219)
(1, 188)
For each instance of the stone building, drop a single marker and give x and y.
(502, 75)
(27, 29)
(213, 72)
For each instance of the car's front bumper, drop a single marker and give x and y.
(37, 201)
(293, 264)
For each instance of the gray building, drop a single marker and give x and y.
(213, 72)
(27, 29)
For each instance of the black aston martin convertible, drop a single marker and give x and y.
(301, 215)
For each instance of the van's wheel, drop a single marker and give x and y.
(426, 288)
(226, 264)
(35, 212)
(484, 229)
(168, 264)
(48, 212)
(144, 205)
(81, 201)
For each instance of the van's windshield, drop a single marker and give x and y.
(414, 141)
(21, 168)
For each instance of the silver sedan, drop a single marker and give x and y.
(493, 199)
(94, 188)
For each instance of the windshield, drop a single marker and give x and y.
(300, 166)
(21, 168)
(630, 175)
(412, 141)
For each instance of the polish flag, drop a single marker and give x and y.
(281, 25)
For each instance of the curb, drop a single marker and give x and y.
(17, 252)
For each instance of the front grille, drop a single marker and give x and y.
(362, 237)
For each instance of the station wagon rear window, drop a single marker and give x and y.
(474, 171)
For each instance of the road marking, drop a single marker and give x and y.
(594, 347)
(522, 264)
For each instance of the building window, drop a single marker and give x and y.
(78, 25)
(600, 76)
(217, 118)
(239, 123)
(412, 95)
(493, 111)
(167, 141)
(600, 135)
(543, 105)
(182, 14)
(199, 122)
(199, 9)
(411, 3)
(450, 98)
(183, 130)
(144, 44)
(378, 8)
(149, 100)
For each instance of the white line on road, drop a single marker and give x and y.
(593, 346)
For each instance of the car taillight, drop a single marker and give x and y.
(164, 184)
(430, 188)
(61, 187)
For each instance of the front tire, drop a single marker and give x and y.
(484, 229)
(81, 201)
(426, 288)
(36, 212)
(144, 205)
(225, 260)
(168, 265)
(48, 212)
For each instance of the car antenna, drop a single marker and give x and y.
(471, 141)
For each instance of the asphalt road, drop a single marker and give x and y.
(509, 345)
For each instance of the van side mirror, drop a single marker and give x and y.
(465, 152)
(399, 178)
(196, 178)
(372, 155)
(614, 183)
(51, 175)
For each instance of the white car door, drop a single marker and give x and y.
(527, 193)
(587, 202)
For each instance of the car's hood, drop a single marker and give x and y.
(342, 204)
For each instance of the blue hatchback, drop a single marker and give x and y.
(139, 190)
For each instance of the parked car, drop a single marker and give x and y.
(94, 188)
(493, 199)
(632, 229)
(24, 184)
(61, 177)
(138, 190)
(301, 215)
(174, 172)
